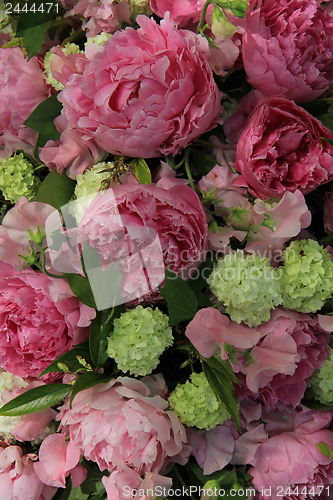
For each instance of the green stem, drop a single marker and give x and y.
(181, 480)
(188, 170)
(203, 15)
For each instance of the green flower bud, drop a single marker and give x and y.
(17, 178)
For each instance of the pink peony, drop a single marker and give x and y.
(291, 458)
(183, 13)
(105, 15)
(287, 48)
(123, 482)
(143, 434)
(149, 92)
(40, 319)
(121, 222)
(281, 149)
(18, 480)
(53, 472)
(285, 351)
(22, 88)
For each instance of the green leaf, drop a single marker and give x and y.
(316, 405)
(80, 286)
(85, 381)
(56, 190)
(93, 485)
(327, 120)
(330, 141)
(100, 330)
(70, 360)
(32, 27)
(141, 170)
(36, 399)
(42, 121)
(223, 389)
(198, 283)
(325, 449)
(181, 299)
(70, 493)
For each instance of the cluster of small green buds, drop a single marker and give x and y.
(17, 178)
(196, 404)
(69, 48)
(139, 337)
(99, 39)
(248, 287)
(88, 184)
(139, 7)
(307, 276)
(322, 381)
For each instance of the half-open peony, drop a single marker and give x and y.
(40, 319)
(282, 149)
(287, 48)
(143, 434)
(148, 92)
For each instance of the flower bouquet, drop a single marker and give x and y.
(166, 269)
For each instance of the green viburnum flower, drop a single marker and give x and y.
(99, 39)
(196, 405)
(248, 287)
(69, 48)
(307, 276)
(139, 7)
(17, 178)
(88, 184)
(138, 339)
(322, 381)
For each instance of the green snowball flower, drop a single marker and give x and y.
(138, 339)
(17, 178)
(248, 287)
(322, 381)
(196, 405)
(307, 276)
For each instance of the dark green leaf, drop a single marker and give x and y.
(316, 405)
(93, 485)
(85, 381)
(80, 286)
(32, 27)
(42, 121)
(141, 170)
(327, 120)
(181, 300)
(70, 493)
(224, 391)
(100, 330)
(330, 141)
(36, 399)
(199, 282)
(70, 360)
(56, 190)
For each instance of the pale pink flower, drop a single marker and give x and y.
(57, 460)
(105, 15)
(22, 88)
(124, 481)
(143, 433)
(157, 94)
(63, 66)
(37, 324)
(17, 476)
(287, 48)
(183, 13)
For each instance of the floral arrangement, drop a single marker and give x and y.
(166, 249)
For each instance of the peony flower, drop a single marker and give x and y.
(281, 149)
(17, 477)
(106, 15)
(40, 319)
(287, 48)
(123, 482)
(145, 227)
(54, 472)
(151, 92)
(143, 434)
(183, 13)
(295, 458)
(22, 88)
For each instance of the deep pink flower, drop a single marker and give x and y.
(40, 319)
(121, 421)
(17, 476)
(292, 458)
(144, 226)
(149, 92)
(184, 12)
(280, 149)
(287, 48)
(105, 15)
(22, 88)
